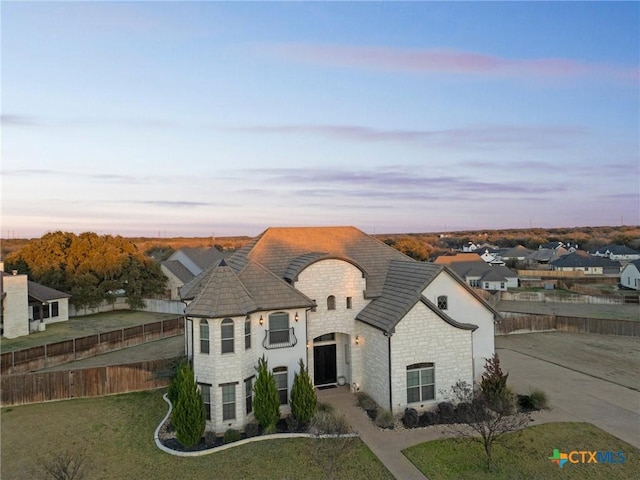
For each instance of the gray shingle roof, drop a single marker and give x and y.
(178, 269)
(203, 257)
(583, 259)
(41, 293)
(402, 289)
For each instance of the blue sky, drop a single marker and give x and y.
(219, 118)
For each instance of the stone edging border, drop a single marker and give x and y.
(260, 438)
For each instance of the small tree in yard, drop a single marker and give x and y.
(189, 414)
(68, 465)
(303, 396)
(490, 412)
(266, 402)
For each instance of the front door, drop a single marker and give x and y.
(324, 364)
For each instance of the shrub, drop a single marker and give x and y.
(525, 403)
(251, 429)
(231, 435)
(385, 419)
(327, 423)
(428, 418)
(266, 402)
(410, 419)
(539, 399)
(210, 437)
(324, 407)
(463, 412)
(446, 412)
(366, 402)
(494, 382)
(303, 397)
(293, 425)
(189, 415)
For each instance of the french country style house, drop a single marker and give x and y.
(357, 311)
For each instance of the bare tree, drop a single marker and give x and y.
(485, 419)
(333, 442)
(65, 465)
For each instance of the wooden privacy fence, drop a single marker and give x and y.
(43, 356)
(36, 387)
(540, 323)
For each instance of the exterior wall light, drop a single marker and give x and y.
(357, 340)
(261, 320)
(297, 317)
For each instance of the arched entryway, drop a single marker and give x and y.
(331, 359)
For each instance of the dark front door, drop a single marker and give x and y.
(324, 364)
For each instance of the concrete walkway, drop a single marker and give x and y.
(573, 397)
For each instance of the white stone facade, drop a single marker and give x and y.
(15, 306)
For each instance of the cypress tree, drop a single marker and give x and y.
(266, 402)
(303, 396)
(189, 415)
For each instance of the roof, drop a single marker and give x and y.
(635, 263)
(583, 259)
(402, 289)
(516, 252)
(221, 292)
(203, 257)
(279, 249)
(178, 269)
(458, 257)
(483, 270)
(547, 254)
(41, 293)
(260, 276)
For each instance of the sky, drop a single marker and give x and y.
(225, 118)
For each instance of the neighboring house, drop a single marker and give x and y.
(618, 253)
(450, 258)
(356, 311)
(518, 253)
(470, 247)
(491, 258)
(589, 264)
(544, 256)
(630, 276)
(28, 306)
(551, 246)
(479, 274)
(186, 264)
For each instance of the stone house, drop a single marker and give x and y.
(355, 310)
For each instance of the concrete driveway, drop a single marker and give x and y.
(575, 396)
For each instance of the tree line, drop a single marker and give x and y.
(92, 268)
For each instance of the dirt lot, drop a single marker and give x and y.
(611, 358)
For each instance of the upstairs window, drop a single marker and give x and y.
(226, 333)
(331, 302)
(279, 328)
(247, 333)
(204, 336)
(443, 302)
(349, 303)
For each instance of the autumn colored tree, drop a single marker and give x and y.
(91, 267)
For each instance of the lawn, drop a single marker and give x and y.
(83, 326)
(117, 435)
(526, 455)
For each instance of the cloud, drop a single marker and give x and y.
(530, 136)
(9, 120)
(446, 61)
(173, 204)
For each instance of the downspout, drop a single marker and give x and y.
(390, 382)
(186, 337)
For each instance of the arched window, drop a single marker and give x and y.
(204, 336)
(282, 382)
(331, 302)
(443, 302)
(421, 382)
(226, 334)
(279, 328)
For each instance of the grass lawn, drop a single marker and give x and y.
(83, 326)
(526, 455)
(117, 434)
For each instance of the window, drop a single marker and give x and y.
(226, 331)
(486, 285)
(54, 309)
(474, 283)
(280, 375)
(331, 302)
(205, 391)
(204, 336)
(349, 303)
(229, 402)
(443, 302)
(501, 285)
(327, 337)
(278, 328)
(248, 394)
(247, 333)
(420, 382)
